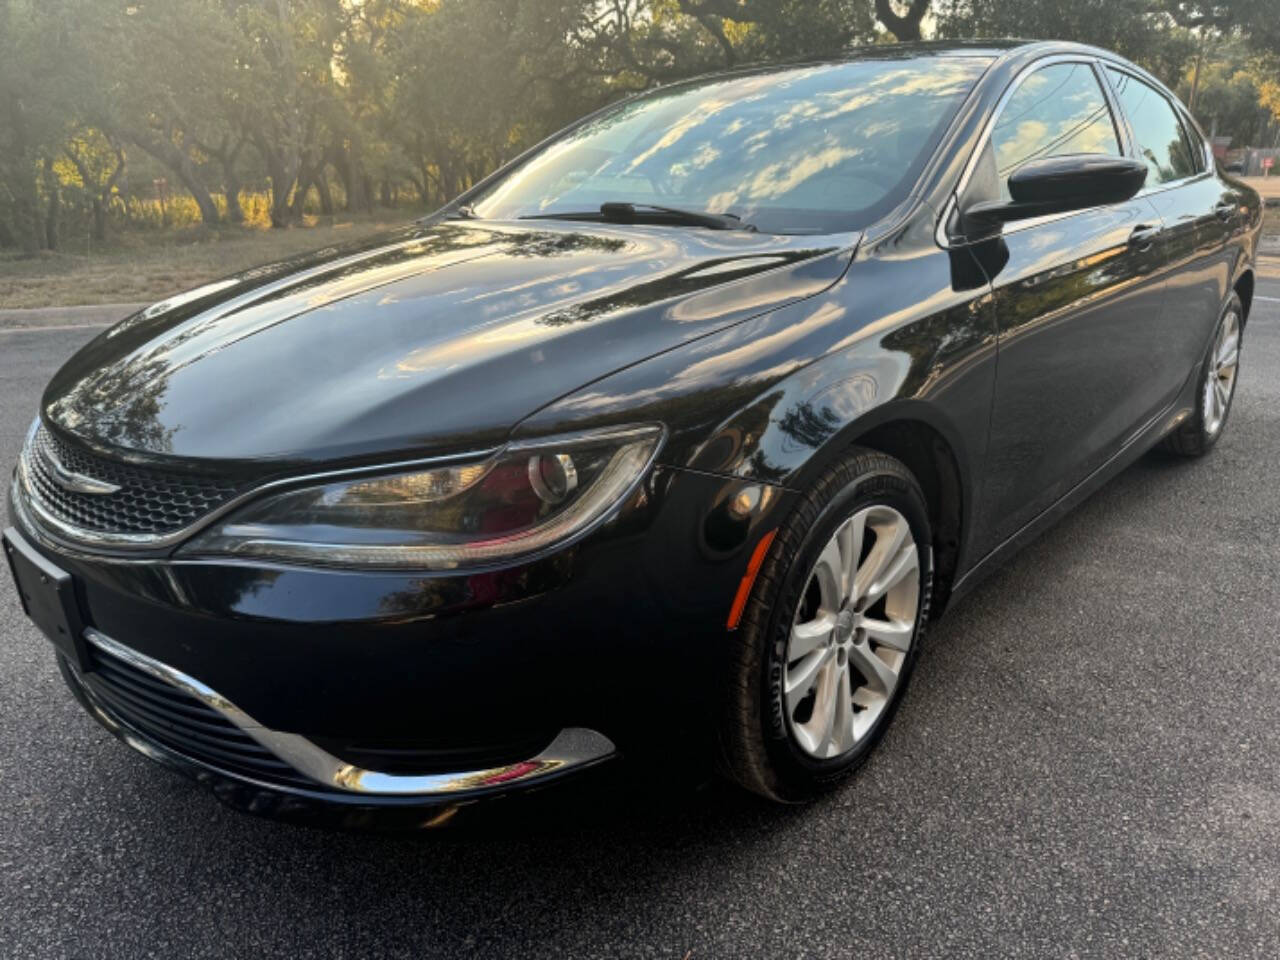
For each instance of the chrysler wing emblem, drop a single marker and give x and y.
(77, 482)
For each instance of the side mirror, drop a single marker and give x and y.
(1059, 185)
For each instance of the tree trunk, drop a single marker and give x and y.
(55, 201)
(285, 163)
(231, 182)
(22, 183)
(235, 213)
(355, 181)
(321, 182)
(341, 159)
(99, 219)
(227, 153)
(297, 207)
(180, 163)
(284, 175)
(281, 182)
(345, 162)
(905, 26)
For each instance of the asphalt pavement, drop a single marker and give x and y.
(1087, 764)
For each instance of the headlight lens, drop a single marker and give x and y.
(521, 501)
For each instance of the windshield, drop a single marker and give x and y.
(812, 149)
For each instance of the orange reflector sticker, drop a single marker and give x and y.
(749, 578)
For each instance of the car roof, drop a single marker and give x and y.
(989, 50)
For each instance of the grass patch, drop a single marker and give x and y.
(144, 267)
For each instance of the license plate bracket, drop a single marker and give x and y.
(48, 596)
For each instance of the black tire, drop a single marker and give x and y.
(756, 747)
(1193, 437)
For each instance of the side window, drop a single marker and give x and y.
(1058, 110)
(1196, 141)
(1161, 141)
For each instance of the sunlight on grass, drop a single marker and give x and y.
(143, 267)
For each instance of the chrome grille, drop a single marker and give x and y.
(148, 501)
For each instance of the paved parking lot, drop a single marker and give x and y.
(1087, 764)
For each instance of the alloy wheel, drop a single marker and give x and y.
(852, 631)
(1220, 380)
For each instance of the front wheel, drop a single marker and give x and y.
(1199, 433)
(831, 632)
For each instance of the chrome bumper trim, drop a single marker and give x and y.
(573, 746)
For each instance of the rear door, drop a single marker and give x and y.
(1079, 299)
(1199, 211)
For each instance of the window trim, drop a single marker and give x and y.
(1208, 165)
(1119, 121)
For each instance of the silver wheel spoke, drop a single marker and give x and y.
(842, 722)
(829, 573)
(815, 733)
(1227, 351)
(810, 635)
(889, 542)
(825, 706)
(895, 634)
(903, 564)
(850, 536)
(801, 678)
(879, 676)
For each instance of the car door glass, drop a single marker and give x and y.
(1197, 144)
(1056, 111)
(1161, 141)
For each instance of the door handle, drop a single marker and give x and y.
(1224, 211)
(1143, 236)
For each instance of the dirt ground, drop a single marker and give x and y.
(136, 269)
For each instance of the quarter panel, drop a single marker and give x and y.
(1201, 261)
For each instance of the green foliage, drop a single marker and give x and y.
(1126, 26)
(1231, 97)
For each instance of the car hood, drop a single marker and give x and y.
(437, 338)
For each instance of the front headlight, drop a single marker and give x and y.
(521, 501)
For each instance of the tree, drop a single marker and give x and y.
(905, 25)
(352, 101)
(99, 162)
(34, 121)
(1130, 27)
(170, 69)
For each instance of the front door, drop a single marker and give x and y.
(1079, 299)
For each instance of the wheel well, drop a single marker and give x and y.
(930, 458)
(1244, 290)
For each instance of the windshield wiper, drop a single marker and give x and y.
(649, 213)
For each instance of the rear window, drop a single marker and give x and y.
(796, 150)
(1162, 142)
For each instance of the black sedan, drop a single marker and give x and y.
(672, 435)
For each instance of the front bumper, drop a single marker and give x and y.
(177, 720)
(502, 680)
